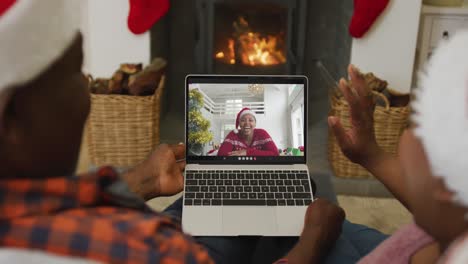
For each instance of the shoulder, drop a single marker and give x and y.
(232, 135)
(261, 132)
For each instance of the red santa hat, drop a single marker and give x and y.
(34, 33)
(241, 113)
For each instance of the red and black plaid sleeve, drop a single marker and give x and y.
(68, 216)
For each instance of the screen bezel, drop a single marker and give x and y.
(265, 79)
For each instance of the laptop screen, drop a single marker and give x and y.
(246, 119)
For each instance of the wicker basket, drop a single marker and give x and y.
(122, 130)
(389, 124)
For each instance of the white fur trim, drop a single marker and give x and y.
(35, 33)
(441, 113)
(235, 131)
(245, 112)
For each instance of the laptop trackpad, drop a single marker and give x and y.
(246, 220)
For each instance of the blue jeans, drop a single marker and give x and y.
(355, 242)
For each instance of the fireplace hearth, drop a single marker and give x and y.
(250, 37)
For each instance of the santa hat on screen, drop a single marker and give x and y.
(241, 113)
(34, 33)
(441, 114)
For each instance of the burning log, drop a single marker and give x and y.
(251, 48)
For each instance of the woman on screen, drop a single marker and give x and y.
(248, 141)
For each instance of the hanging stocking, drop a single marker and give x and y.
(144, 13)
(365, 14)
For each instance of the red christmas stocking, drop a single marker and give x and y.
(365, 13)
(144, 13)
(5, 5)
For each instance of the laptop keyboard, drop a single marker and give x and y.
(247, 187)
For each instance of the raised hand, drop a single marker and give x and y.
(358, 143)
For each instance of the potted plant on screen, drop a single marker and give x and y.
(198, 126)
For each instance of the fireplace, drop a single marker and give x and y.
(194, 32)
(250, 37)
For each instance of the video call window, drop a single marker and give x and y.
(245, 120)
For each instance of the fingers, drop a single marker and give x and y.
(360, 87)
(182, 165)
(238, 153)
(180, 182)
(353, 100)
(349, 94)
(359, 83)
(339, 132)
(321, 205)
(179, 151)
(179, 154)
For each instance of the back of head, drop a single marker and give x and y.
(43, 98)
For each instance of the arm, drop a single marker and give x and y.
(268, 148)
(160, 174)
(305, 252)
(322, 227)
(226, 147)
(388, 170)
(257, 152)
(359, 143)
(169, 245)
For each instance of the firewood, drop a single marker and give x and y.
(145, 82)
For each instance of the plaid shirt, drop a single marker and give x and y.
(81, 216)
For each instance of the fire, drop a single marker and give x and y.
(251, 47)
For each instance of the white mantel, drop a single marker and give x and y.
(389, 48)
(107, 40)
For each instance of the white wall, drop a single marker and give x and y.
(296, 101)
(276, 121)
(107, 40)
(389, 48)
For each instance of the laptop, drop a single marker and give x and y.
(246, 142)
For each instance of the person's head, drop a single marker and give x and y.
(246, 121)
(434, 153)
(44, 100)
